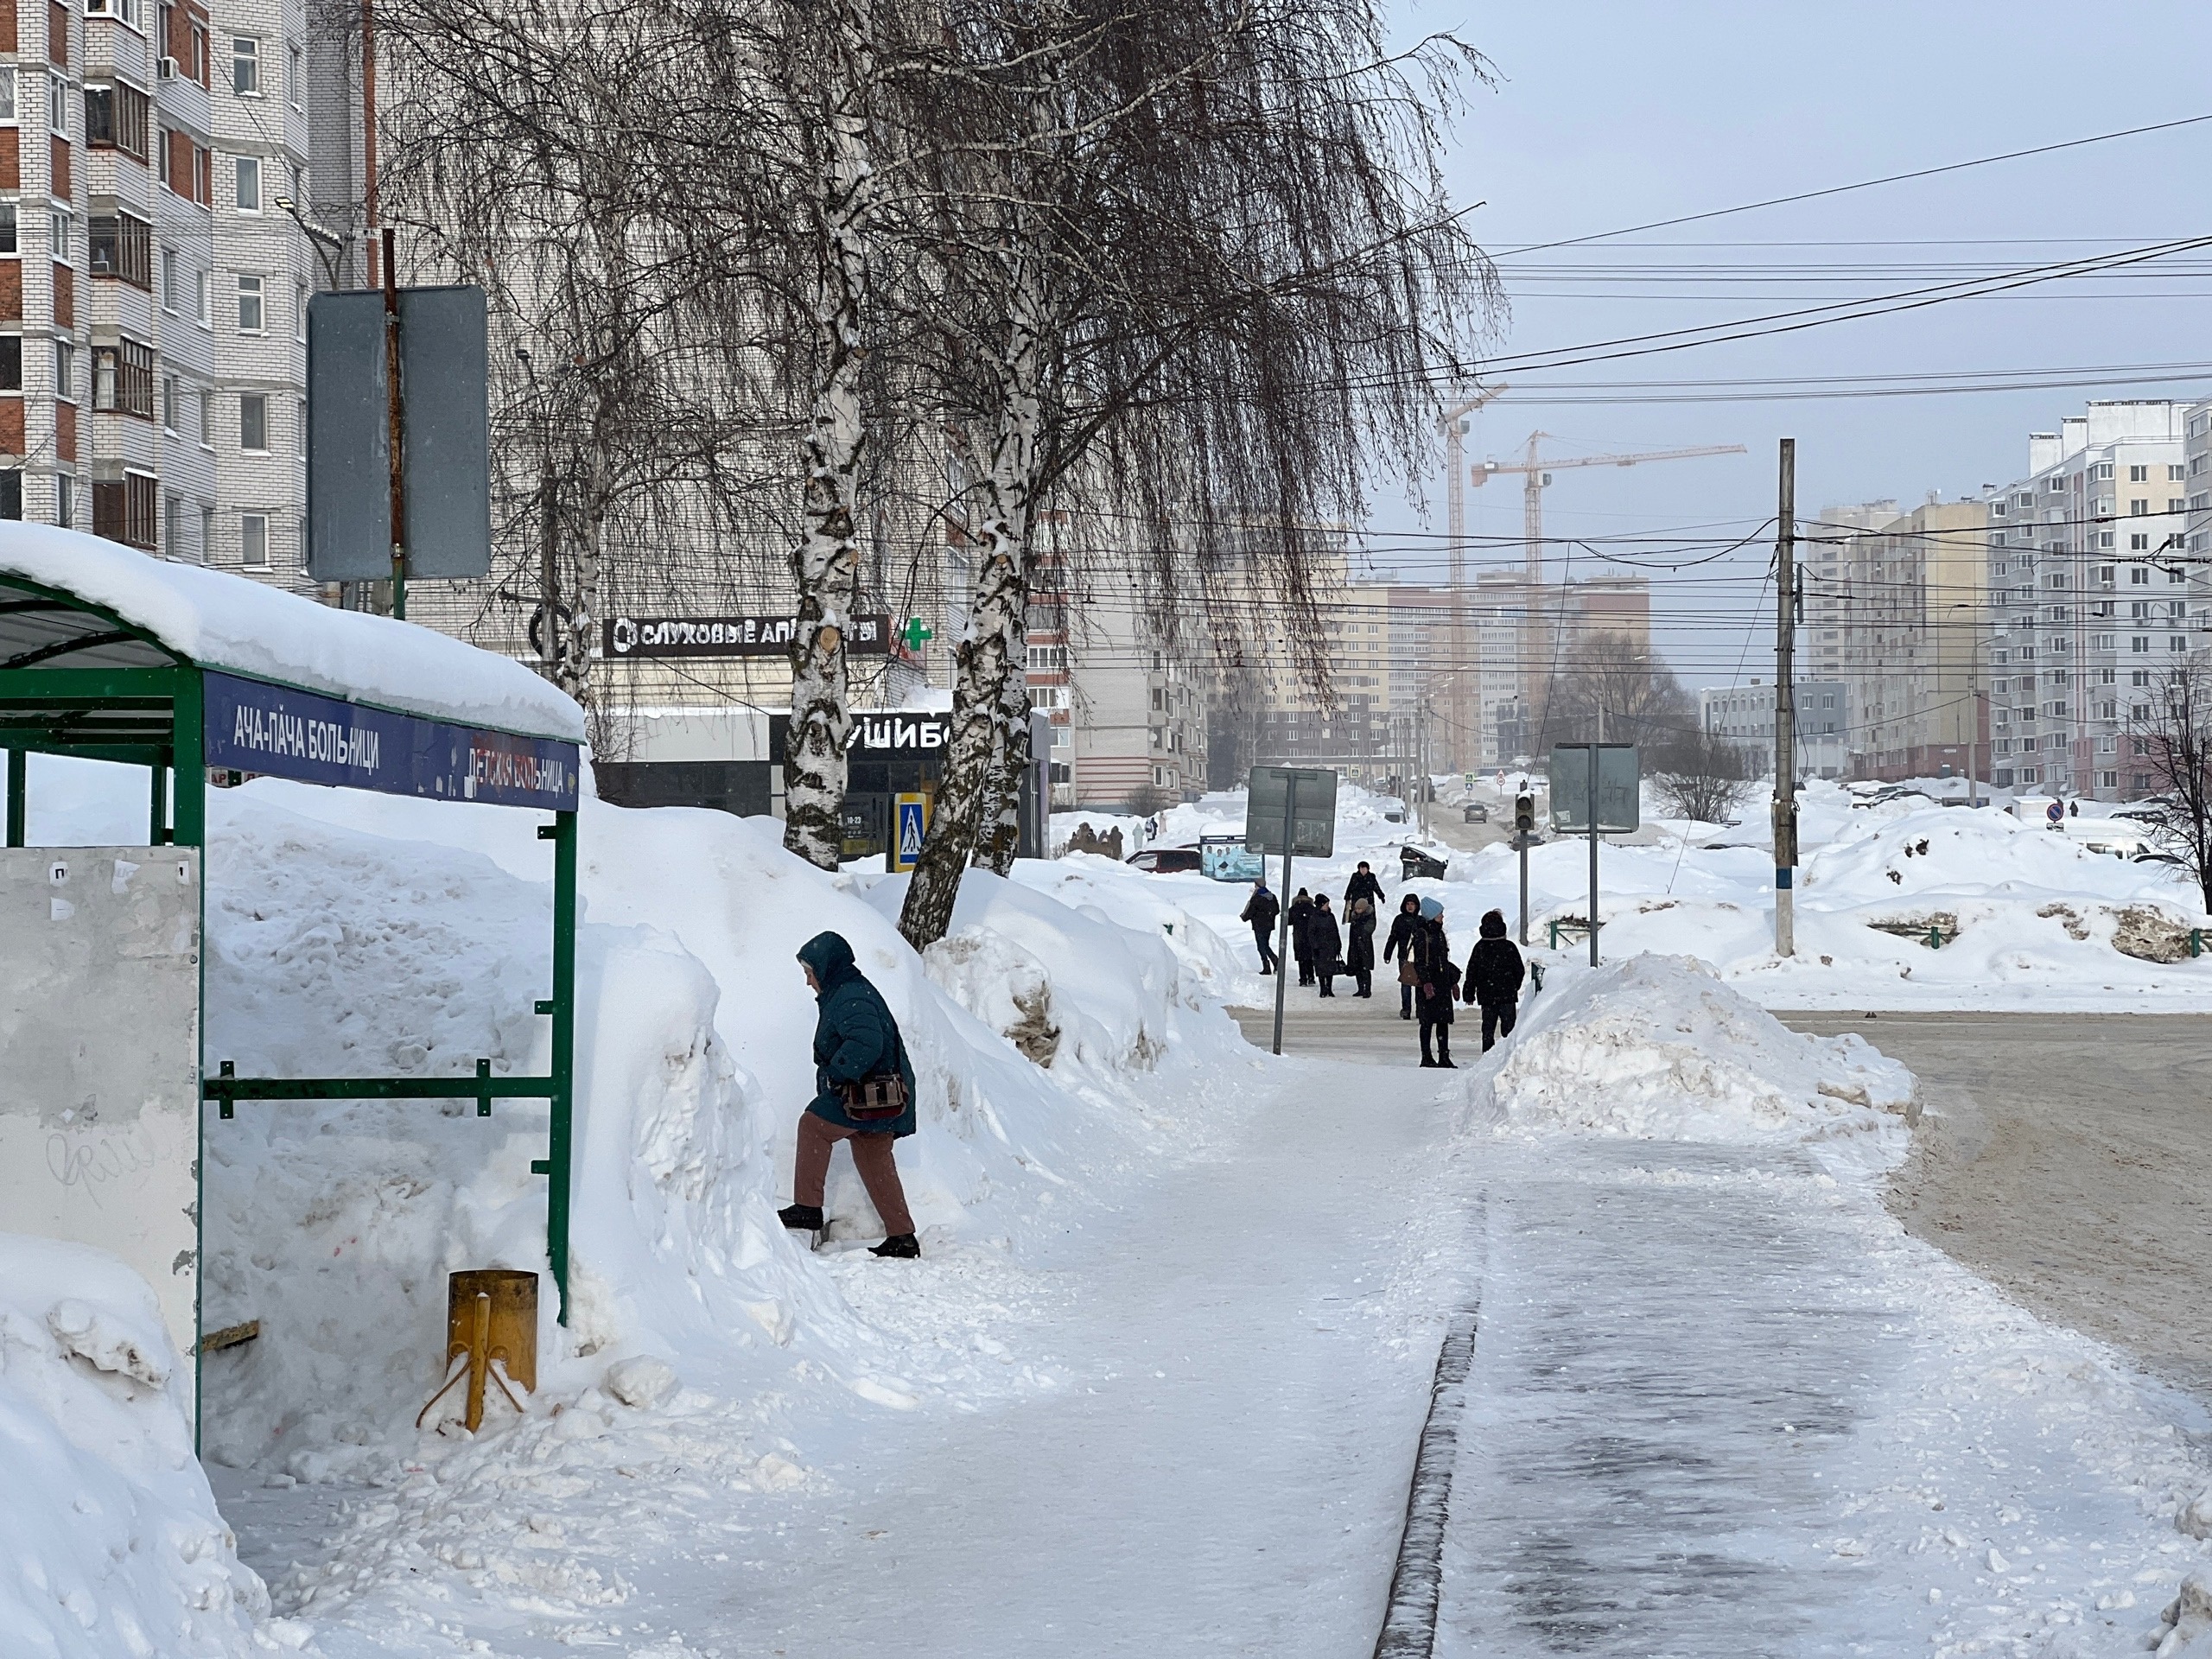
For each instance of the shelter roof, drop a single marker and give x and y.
(215, 620)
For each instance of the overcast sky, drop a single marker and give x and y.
(1606, 115)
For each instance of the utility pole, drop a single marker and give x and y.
(1785, 707)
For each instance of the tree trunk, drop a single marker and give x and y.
(576, 653)
(999, 841)
(994, 649)
(826, 559)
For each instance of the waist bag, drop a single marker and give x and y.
(875, 1097)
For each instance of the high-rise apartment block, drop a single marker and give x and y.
(155, 276)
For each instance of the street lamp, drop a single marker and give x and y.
(1974, 700)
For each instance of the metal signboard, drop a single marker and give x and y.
(910, 826)
(1304, 797)
(731, 636)
(1225, 858)
(1619, 788)
(252, 726)
(446, 444)
(99, 1058)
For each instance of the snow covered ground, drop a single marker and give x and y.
(1155, 1386)
(2029, 917)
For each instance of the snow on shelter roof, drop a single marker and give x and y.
(218, 621)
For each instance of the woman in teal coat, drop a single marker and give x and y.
(855, 1038)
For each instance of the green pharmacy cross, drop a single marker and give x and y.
(914, 633)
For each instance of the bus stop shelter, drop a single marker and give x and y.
(109, 654)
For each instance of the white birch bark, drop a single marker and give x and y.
(825, 561)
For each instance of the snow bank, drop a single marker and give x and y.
(1658, 1047)
(221, 620)
(111, 1538)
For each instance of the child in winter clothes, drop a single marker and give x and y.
(1494, 973)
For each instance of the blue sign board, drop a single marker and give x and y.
(252, 726)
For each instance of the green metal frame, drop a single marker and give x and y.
(38, 705)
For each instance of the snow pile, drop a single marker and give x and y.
(111, 1538)
(1658, 1047)
(220, 620)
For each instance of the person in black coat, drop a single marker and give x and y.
(1260, 910)
(1328, 945)
(1359, 956)
(1400, 944)
(1301, 946)
(1439, 984)
(1363, 885)
(1494, 973)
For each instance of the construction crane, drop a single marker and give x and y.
(1453, 424)
(1535, 474)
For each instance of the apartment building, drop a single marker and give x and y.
(1906, 595)
(1742, 716)
(150, 388)
(2092, 595)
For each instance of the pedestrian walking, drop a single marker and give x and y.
(1301, 917)
(1260, 910)
(1359, 955)
(1328, 945)
(1363, 885)
(1439, 985)
(1493, 981)
(863, 1094)
(1400, 944)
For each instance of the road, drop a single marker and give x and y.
(2065, 1157)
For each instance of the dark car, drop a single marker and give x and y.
(1162, 861)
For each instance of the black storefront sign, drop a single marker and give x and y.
(731, 635)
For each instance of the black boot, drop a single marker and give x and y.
(904, 1246)
(801, 1217)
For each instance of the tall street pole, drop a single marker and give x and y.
(1785, 707)
(1282, 918)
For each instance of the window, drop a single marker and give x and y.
(2140, 781)
(170, 284)
(172, 526)
(172, 395)
(250, 305)
(199, 63)
(57, 105)
(6, 227)
(2137, 507)
(11, 493)
(122, 247)
(254, 540)
(124, 509)
(62, 229)
(124, 11)
(65, 500)
(203, 305)
(299, 310)
(249, 185)
(8, 113)
(11, 362)
(2137, 576)
(253, 423)
(116, 117)
(2101, 471)
(2176, 504)
(122, 378)
(2175, 474)
(2139, 475)
(293, 78)
(246, 66)
(64, 370)
(2138, 543)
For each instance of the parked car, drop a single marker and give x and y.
(1163, 860)
(2145, 855)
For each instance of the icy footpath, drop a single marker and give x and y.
(1722, 1403)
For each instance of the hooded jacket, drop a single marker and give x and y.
(854, 1036)
(1260, 910)
(1400, 940)
(1495, 970)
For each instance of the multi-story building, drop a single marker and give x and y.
(2094, 597)
(1742, 716)
(151, 389)
(1906, 596)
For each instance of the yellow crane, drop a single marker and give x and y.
(1535, 474)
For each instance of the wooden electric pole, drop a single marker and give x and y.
(1785, 706)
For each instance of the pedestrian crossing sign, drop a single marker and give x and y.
(910, 822)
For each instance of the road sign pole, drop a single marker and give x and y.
(1522, 841)
(1283, 923)
(1593, 854)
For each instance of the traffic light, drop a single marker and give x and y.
(1524, 813)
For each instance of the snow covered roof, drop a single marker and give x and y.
(215, 620)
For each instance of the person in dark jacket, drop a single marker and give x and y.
(1439, 984)
(1363, 885)
(854, 1039)
(1359, 955)
(1301, 946)
(1260, 910)
(1493, 983)
(1400, 944)
(1327, 944)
